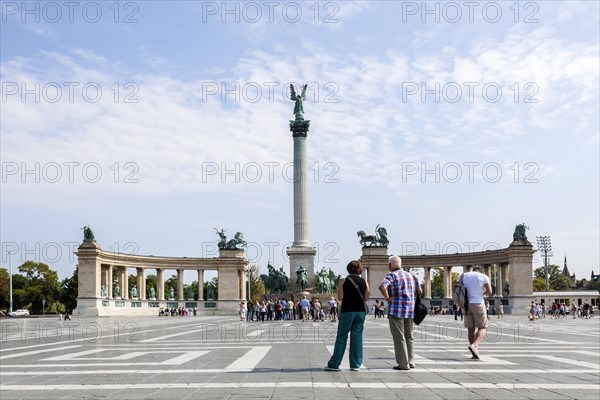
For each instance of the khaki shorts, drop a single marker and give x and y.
(476, 317)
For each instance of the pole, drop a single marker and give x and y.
(546, 269)
(10, 304)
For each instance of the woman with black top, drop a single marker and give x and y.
(353, 291)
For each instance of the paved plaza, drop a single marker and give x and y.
(214, 357)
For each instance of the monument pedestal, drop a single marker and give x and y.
(374, 260)
(304, 255)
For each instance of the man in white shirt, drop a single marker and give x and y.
(476, 321)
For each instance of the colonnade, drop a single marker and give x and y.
(97, 295)
(498, 274)
(107, 280)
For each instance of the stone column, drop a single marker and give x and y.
(427, 283)
(505, 277)
(448, 282)
(520, 260)
(89, 277)
(140, 284)
(180, 285)
(109, 284)
(200, 284)
(242, 284)
(301, 252)
(375, 260)
(160, 284)
(487, 270)
(499, 281)
(124, 283)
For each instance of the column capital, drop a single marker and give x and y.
(299, 128)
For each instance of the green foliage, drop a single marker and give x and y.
(539, 284)
(437, 281)
(4, 289)
(557, 280)
(151, 282)
(68, 295)
(40, 283)
(213, 285)
(257, 286)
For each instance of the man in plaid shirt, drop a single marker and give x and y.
(399, 287)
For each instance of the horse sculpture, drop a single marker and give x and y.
(276, 281)
(364, 239)
(238, 239)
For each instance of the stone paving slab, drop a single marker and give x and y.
(223, 358)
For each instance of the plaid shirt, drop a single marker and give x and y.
(401, 286)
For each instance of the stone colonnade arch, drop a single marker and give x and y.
(513, 264)
(96, 296)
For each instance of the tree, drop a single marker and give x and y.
(556, 281)
(213, 286)
(4, 289)
(151, 282)
(539, 284)
(257, 286)
(42, 284)
(437, 282)
(69, 290)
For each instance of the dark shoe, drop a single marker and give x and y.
(397, 368)
(331, 369)
(411, 366)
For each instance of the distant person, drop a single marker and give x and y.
(304, 306)
(399, 288)
(353, 292)
(500, 311)
(476, 321)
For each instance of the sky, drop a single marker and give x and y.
(155, 122)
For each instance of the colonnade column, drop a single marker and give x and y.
(241, 284)
(124, 283)
(200, 284)
(487, 268)
(448, 282)
(427, 282)
(505, 272)
(160, 284)
(180, 284)
(109, 283)
(499, 281)
(140, 281)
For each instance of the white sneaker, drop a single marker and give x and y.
(474, 351)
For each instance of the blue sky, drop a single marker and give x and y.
(163, 133)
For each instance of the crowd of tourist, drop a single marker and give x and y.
(281, 309)
(177, 312)
(560, 311)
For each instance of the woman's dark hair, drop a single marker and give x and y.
(354, 267)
